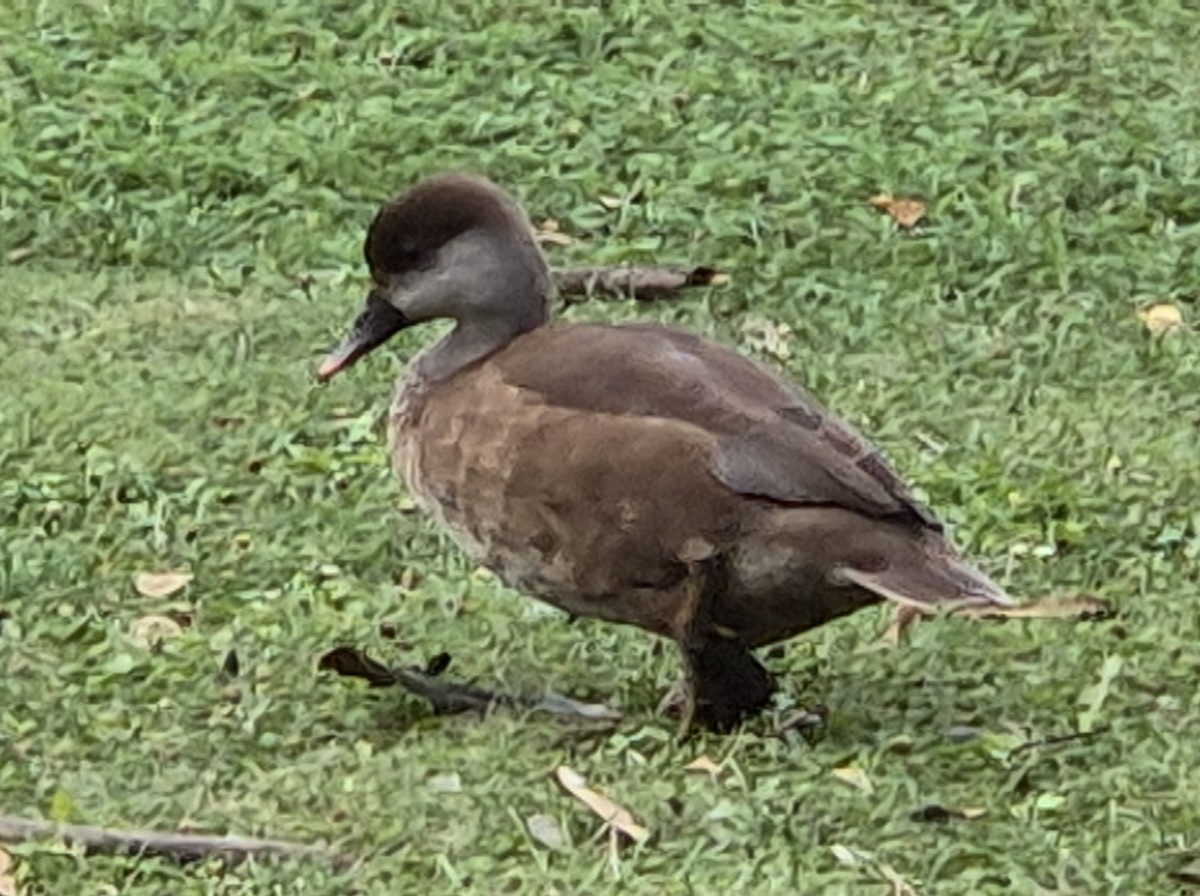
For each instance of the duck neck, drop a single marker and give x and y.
(503, 289)
(469, 341)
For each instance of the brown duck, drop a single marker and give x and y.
(636, 473)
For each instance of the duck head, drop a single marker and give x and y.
(453, 246)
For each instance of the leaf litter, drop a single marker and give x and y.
(908, 212)
(612, 814)
(161, 584)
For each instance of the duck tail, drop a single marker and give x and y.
(929, 579)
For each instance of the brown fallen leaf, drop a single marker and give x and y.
(151, 632)
(161, 584)
(1161, 317)
(855, 777)
(614, 815)
(906, 212)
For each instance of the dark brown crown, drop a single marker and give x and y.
(410, 228)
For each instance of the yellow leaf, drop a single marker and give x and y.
(612, 203)
(161, 584)
(855, 777)
(151, 631)
(614, 815)
(1161, 317)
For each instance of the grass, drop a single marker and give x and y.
(193, 180)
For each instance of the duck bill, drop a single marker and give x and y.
(378, 322)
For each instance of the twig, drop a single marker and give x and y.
(643, 284)
(180, 847)
(1057, 740)
(450, 697)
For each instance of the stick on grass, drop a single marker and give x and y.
(166, 844)
(641, 283)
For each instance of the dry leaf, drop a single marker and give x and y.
(614, 815)
(612, 203)
(855, 777)
(18, 255)
(160, 584)
(546, 830)
(907, 213)
(151, 631)
(1161, 317)
(548, 232)
(703, 764)
(8, 886)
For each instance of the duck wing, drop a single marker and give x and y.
(774, 440)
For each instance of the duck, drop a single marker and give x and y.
(636, 473)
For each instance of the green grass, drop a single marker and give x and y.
(180, 168)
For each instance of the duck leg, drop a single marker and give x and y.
(723, 684)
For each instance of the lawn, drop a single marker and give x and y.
(183, 193)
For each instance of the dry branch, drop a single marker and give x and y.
(179, 847)
(450, 697)
(643, 284)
